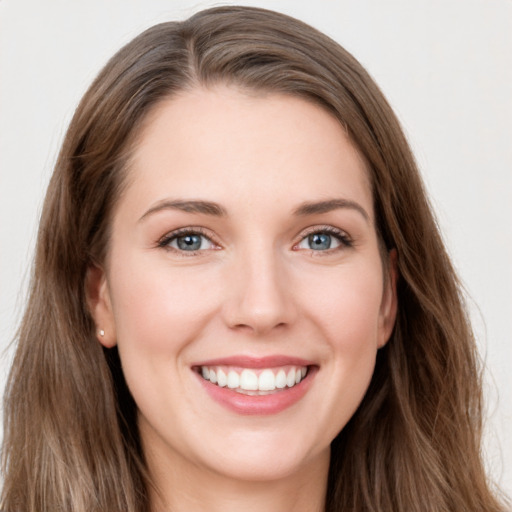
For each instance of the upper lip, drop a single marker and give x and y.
(245, 361)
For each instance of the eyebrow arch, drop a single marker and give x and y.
(189, 206)
(312, 208)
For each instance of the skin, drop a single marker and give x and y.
(256, 287)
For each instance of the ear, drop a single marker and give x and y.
(100, 305)
(389, 304)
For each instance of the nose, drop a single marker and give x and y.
(260, 295)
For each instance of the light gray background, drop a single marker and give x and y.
(445, 66)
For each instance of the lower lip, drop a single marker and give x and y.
(259, 405)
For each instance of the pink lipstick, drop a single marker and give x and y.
(256, 386)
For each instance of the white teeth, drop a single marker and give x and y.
(222, 378)
(281, 379)
(248, 380)
(254, 382)
(233, 380)
(267, 381)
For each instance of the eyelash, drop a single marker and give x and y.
(166, 240)
(341, 236)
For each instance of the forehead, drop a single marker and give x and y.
(228, 143)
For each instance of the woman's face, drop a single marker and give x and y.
(244, 285)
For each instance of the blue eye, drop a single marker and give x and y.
(324, 240)
(319, 241)
(187, 241)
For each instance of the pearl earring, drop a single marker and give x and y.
(102, 332)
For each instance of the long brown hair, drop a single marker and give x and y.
(71, 442)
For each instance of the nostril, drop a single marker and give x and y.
(259, 326)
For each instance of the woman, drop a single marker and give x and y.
(240, 296)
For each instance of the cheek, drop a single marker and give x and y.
(158, 309)
(339, 316)
(348, 315)
(158, 313)
(347, 306)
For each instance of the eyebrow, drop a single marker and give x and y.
(190, 206)
(312, 208)
(214, 209)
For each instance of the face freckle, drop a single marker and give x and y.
(245, 242)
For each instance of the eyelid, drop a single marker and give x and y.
(343, 237)
(165, 240)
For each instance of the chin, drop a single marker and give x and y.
(264, 455)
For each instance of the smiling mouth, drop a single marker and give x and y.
(254, 382)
